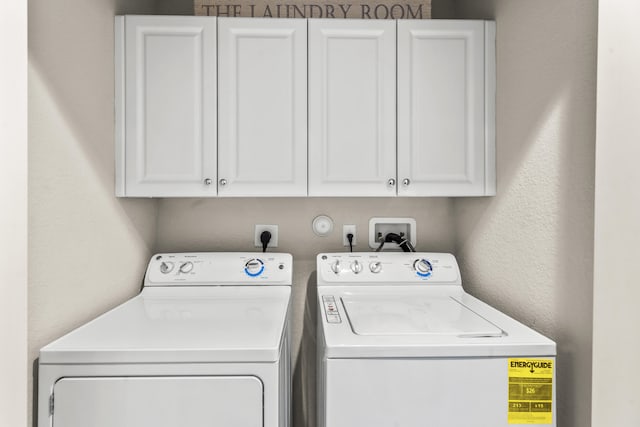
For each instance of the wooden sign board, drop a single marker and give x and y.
(372, 9)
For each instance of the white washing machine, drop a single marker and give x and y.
(400, 343)
(206, 343)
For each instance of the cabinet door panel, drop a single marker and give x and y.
(170, 107)
(441, 108)
(352, 108)
(262, 107)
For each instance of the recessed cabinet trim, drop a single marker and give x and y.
(166, 105)
(262, 107)
(352, 114)
(445, 118)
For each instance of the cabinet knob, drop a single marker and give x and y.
(207, 181)
(391, 182)
(406, 182)
(223, 182)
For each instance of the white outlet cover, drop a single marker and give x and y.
(346, 229)
(273, 229)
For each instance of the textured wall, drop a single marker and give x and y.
(87, 249)
(616, 341)
(529, 250)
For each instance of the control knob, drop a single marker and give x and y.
(166, 267)
(186, 267)
(356, 266)
(423, 267)
(335, 266)
(375, 267)
(254, 267)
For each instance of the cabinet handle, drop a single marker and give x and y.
(391, 182)
(207, 181)
(406, 182)
(223, 182)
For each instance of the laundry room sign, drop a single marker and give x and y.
(376, 9)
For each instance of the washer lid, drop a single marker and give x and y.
(187, 325)
(409, 322)
(415, 315)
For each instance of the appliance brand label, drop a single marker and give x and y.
(530, 391)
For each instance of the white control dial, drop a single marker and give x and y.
(166, 267)
(254, 267)
(423, 267)
(335, 266)
(356, 266)
(186, 267)
(375, 267)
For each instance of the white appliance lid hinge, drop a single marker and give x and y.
(51, 404)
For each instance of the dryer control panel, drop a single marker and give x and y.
(371, 268)
(219, 269)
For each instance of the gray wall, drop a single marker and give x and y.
(529, 250)
(87, 249)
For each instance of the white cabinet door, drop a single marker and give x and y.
(446, 102)
(158, 402)
(352, 108)
(166, 116)
(262, 105)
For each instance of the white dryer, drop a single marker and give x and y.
(206, 343)
(400, 343)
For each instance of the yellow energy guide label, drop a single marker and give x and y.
(530, 391)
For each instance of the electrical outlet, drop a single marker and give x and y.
(273, 229)
(380, 227)
(346, 229)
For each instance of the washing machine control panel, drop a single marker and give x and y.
(372, 268)
(219, 268)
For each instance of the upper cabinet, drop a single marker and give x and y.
(262, 107)
(352, 107)
(211, 106)
(165, 106)
(446, 98)
(183, 130)
(443, 143)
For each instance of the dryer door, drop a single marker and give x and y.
(158, 402)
